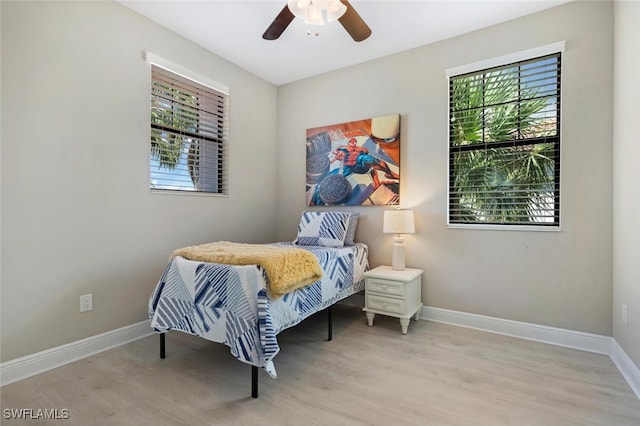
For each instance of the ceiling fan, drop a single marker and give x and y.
(316, 12)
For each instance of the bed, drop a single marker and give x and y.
(233, 304)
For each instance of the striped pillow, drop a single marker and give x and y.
(328, 229)
(351, 229)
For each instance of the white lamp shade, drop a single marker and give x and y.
(298, 7)
(314, 15)
(335, 10)
(398, 222)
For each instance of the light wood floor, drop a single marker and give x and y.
(437, 374)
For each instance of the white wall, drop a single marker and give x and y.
(560, 279)
(77, 214)
(626, 177)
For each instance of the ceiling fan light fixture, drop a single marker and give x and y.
(299, 8)
(314, 15)
(335, 10)
(317, 12)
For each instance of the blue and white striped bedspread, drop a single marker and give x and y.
(230, 304)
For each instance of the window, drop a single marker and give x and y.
(504, 144)
(189, 134)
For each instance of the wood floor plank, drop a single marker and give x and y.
(437, 374)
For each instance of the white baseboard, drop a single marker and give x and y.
(30, 365)
(627, 368)
(540, 333)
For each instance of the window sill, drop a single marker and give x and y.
(191, 193)
(527, 228)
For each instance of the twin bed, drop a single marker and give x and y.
(243, 295)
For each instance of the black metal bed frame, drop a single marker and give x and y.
(254, 369)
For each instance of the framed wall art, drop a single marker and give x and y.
(355, 163)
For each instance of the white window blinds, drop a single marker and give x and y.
(504, 144)
(189, 134)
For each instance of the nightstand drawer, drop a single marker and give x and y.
(394, 288)
(394, 306)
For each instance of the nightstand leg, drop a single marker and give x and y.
(404, 323)
(370, 316)
(417, 314)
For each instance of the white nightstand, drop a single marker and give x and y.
(393, 293)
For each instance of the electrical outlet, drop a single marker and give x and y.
(86, 302)
(624, 314)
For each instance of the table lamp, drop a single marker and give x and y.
(398, 222)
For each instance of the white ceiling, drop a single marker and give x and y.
(233, 30)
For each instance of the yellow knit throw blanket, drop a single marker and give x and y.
(288, 268)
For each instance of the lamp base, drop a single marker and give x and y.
(397, 261)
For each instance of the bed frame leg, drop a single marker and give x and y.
(162, 345)
(330, 320)
(254, 381)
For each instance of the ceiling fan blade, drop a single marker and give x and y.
(354, 24)
(279, 24)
